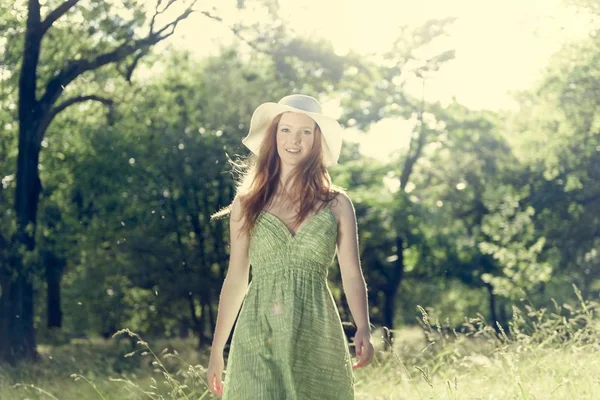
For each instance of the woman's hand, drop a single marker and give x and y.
(215, 373)
(364, 348)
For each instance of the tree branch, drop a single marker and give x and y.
(79, 99)
(177, 20)
(413, 156)
(56, 14)
(157, 12)
(130, 68)
(74, 68)
(237, 33)
(67, 103)
(28, 105)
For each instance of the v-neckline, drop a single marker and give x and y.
(294, 235)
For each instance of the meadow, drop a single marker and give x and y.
(548, 354)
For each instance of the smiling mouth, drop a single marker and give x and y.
(291, 151)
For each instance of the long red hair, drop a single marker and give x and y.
(260, 179)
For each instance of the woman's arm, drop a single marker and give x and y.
(353, 281)
(235, 284)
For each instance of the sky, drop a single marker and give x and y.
(501, 46)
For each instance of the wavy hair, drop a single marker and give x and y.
(259, 179)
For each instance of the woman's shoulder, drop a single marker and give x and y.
(341, 204)
(340, 196)
(238, 211)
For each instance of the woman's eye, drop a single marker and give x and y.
(285, 130)
(307, 132)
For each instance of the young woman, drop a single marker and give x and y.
(287, 221)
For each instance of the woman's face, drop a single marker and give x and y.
(295, 137)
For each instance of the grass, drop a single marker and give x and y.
(548, 354)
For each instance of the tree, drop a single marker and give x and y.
(381, 94)
(35, 114)
(560, 118)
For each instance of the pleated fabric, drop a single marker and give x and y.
(288, 342)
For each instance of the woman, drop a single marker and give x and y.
(288, 220)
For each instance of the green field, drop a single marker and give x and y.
(551, 354)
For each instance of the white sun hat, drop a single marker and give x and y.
(331, 132)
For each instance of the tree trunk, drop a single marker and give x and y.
(53, 298)
(17, 301)
(54, 271)
(391, 291)
(16, 319)
(184, 328)
(197, 323)
(389, 309)
(211, 316)
(493, 315)
(207, 311)
(503, 317)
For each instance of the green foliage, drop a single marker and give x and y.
(557, 137)
(140, 187)
(484, 206)
(376, 88)
(514, 244)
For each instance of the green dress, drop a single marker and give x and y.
(288, 342)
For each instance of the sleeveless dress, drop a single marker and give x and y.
(288, 342)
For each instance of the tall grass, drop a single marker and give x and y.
(544, 354)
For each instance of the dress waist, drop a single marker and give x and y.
(311, 270)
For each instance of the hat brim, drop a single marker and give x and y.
(331, 131)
